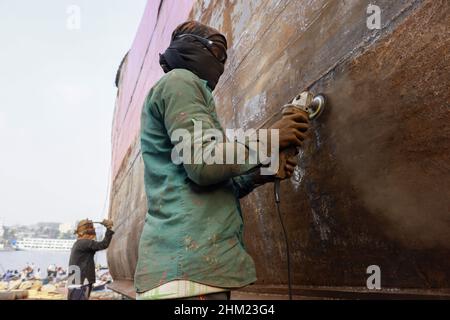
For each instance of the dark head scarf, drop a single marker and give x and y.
(189, 53)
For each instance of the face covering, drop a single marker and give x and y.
(189, 53)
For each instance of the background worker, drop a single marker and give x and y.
(192, 245)
(82, 256)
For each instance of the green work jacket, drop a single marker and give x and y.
(193, 227)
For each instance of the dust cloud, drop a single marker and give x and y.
(392, 142)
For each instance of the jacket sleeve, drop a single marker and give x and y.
(246, 183)
(101, 245)
(243, 185)
(185, 111)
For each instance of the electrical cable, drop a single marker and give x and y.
(288, 256)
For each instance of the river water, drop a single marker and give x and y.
(17, 260)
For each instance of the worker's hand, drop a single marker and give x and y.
(292, 129)
(289, 166)
(287, 163)
(107, 223)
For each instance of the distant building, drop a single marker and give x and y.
(47, 225)
(45, 244)
(65, 228)
(2, 231)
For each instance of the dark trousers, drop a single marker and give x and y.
(81, 293)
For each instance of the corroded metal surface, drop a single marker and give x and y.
(138, 73)
(127, 209)
(372, 185)
(143, 70)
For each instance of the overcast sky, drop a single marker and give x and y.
(57, 98)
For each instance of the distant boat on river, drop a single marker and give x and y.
(45, 244)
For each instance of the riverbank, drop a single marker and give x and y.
(15, 260)
(59, 294)
(42, 275)
(36, 290)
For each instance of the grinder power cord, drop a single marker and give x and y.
(313, 106)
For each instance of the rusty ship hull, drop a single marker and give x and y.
(372, 185)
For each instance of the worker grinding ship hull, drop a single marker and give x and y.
(82, 258)
(191, 246)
